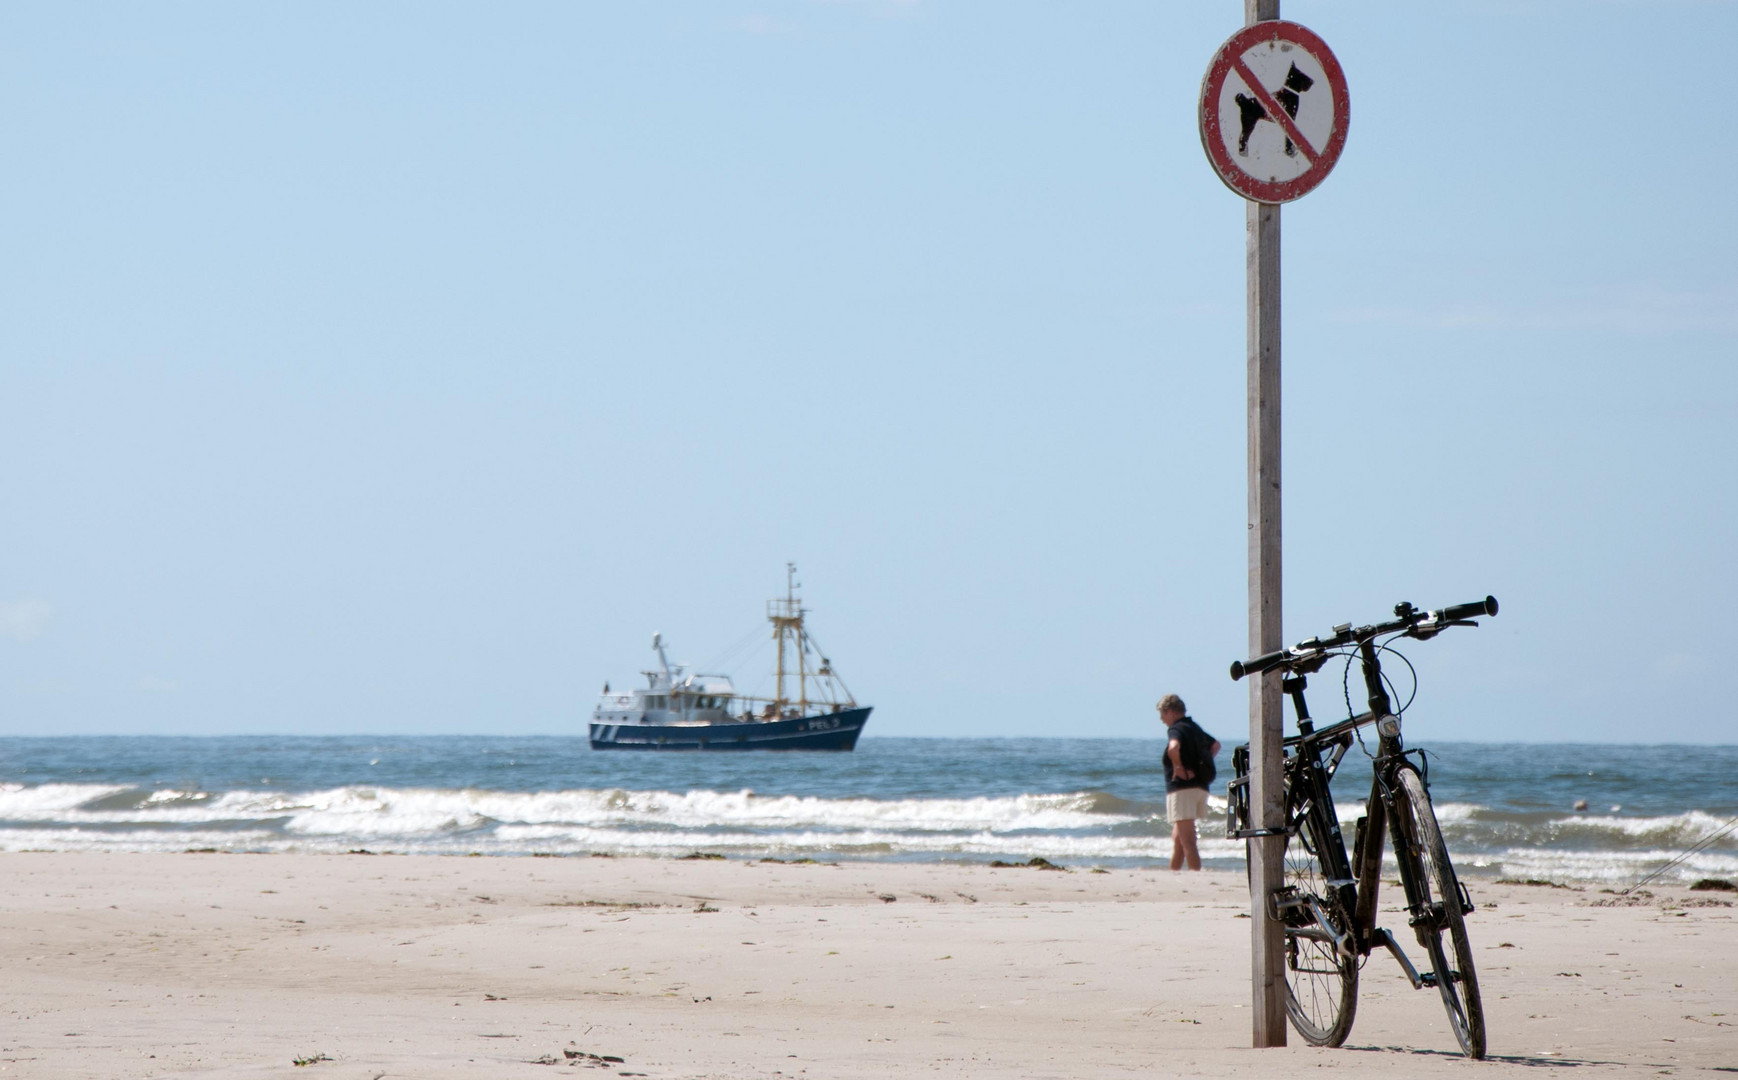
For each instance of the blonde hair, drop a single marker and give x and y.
(1173, 703)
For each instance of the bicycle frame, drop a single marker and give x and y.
(1313, 757)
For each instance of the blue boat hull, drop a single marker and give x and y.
(826, 731)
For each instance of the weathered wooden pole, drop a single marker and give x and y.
(1270, 144)
(1266, 719)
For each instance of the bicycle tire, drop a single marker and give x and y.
(1321, 985)
(1457, 982)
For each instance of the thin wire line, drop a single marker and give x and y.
(1699, 846)
(729, 654)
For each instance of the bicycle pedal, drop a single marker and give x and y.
(1281, 899)
(1427, 978)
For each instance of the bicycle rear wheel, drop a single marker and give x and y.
(1455, 978)
(1321, 984)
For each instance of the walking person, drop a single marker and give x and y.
(1189, 772)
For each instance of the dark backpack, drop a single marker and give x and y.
(1197, 753)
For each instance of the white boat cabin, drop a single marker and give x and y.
(671, 696)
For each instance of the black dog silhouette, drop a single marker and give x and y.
(1251, 112)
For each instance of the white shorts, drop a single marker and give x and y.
(1186, 804)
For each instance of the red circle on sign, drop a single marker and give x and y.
(1228, 62)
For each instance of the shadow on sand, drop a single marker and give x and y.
(1507, 1059)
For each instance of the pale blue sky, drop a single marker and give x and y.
(401, 367)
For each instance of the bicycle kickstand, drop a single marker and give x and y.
(1418, 981)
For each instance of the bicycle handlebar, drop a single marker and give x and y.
(1419, 624)
(1459, 612)
(1240, 668)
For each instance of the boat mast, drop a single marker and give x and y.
(786, 617)
(802, 657)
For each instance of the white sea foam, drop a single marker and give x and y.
(49, 802)
(1606, 867)
(1688, 827)
(1601, 867)
(1456, 813)
(365, 811)
(146, 840)
(1447, 813)
(1069, 827)
(519, 840)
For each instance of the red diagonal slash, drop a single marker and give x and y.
(1274, 112)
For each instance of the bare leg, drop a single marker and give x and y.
(1183, 847)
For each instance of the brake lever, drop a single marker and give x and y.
(1310, 666)
(1425, 633)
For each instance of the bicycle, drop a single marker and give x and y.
(1327, 903)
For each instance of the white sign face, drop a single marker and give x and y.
(1297, 82)
(1273, 111)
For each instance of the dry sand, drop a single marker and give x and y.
(392, 966)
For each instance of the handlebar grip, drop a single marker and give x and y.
(1487, 606)
(1240, 668)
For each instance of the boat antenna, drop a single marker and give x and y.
(658, 644)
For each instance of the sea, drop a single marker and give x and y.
(1508, 810)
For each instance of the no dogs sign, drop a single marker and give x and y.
(1273, 111)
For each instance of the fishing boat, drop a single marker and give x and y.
(682, 710)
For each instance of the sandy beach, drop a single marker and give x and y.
(401, 966)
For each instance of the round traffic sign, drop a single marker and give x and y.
(1273, 111)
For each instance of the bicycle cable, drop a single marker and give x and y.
(1346, 691)
(1401, 711)
(1346, 684)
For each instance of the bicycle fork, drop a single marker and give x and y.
(1370, 835)
(1367, 842)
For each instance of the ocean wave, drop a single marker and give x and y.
(1077, 827)
(526, 840)
(48, 802)
(372, 811)
(1686, 828)
(1604, 867)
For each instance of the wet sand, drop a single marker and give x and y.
(394, 966)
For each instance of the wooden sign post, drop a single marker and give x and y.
(1266, 705)
(1273, 121)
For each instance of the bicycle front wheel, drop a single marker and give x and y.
(1321, 982)
(1441, 912)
